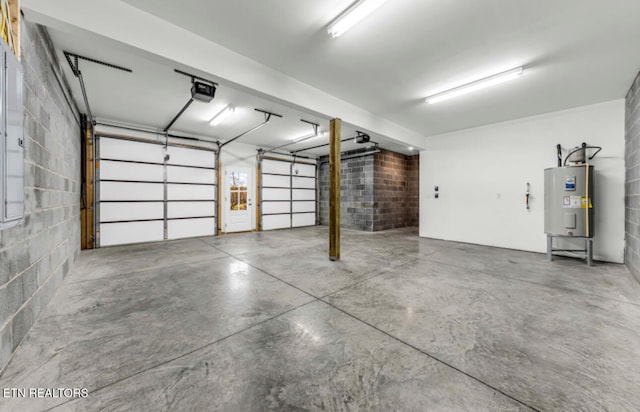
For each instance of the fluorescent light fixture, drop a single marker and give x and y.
(302, 138)
(222, 115)
(353, 15)
(308, 137)
(411, 148)
(476, 85)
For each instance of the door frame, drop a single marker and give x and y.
(224, 201)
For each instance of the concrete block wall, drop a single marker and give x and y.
(36, 255)
(356, 192)
(378, 191)
(632, 179)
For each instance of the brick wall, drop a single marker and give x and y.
(632, 181)
(413, 191)
(36, 255)
(378, 191)
(394, 194)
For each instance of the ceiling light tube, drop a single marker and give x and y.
(308, 137)
(476, 85)
(222, 115)
(353, 15)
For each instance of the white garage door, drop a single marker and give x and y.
(143, 198)
(288, 194)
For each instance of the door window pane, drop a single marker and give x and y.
(243, 200)
(234, 200)
(242, 181)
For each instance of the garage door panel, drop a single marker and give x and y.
(115, 212)
(301, 207)
(303, 219)
(190, 209)
(121, 149)
(190, 192)
(276, 207)
(130, 232)
(132, 192)
(303, 194)
(181, 228)
(276, 194)
(271, 222)
(294, 185)
(276, 181)
(120, 191)
(276, 167)
(304, 170)
(179, 174)
(110, 170)
(304, 182)
(181, 156)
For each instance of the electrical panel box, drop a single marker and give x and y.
(11, 139)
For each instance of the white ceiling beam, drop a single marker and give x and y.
(123, 23)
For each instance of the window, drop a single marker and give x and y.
(11, 140)
(238, 191)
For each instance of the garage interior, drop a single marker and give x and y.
(238, 206)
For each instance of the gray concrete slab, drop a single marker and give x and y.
(100, 331)
(314, 358)
(119, 260)
(265, 321)
(603, 279)
(552, 348)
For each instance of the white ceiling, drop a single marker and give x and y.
(575, 52)
(154, 93)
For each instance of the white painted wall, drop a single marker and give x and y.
(482, 175)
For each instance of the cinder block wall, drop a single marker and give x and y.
(356, 192)
(378, 191)
(632, 181)
(36, 255)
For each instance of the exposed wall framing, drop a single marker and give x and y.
(87, 237)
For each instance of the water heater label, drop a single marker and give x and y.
(570, 183)
(572, 202)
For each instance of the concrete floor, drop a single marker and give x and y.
(262, 321)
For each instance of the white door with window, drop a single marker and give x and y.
(238, 201)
